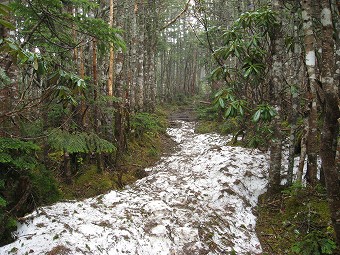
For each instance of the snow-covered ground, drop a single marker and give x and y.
(200, 200)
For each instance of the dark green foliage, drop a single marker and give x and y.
(5, 11)
(229, 105)
(56, 22)
(79, 142)
(17, 154)
(21, 56)
(257, 136)
(146, 123)
(18, 162)
(264, 112)
(67, 86)
(16, 159)
(244, 41)
(44, 186)
(314, 243)
(31, 129)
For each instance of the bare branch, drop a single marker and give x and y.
(177, 17)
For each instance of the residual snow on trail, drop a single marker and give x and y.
(199, 200)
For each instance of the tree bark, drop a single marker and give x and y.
(310, 62)
(330, 129)
(112, 57)
(277, 85)
(140, 57)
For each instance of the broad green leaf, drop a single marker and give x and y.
(7, 24)
(221, 102)
(81, 83)
(219, 93)
(5, 8)
(247, 73)
(13, 45)
(272, 112)
(228, 112)
(257, 115)
(35, 64)
(241, 110)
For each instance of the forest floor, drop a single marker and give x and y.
(198, 199)
(201, 197)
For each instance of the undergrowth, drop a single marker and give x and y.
(26, 183)
(146, 142)
(297, 221)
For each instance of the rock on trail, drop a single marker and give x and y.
(199, 200)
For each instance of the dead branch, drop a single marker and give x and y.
(177, 17)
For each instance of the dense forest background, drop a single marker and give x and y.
(82, 82)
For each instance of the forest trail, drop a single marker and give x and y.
(184, 113)
(199, 200)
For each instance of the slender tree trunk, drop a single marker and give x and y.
(139, 9)
(82, 107)
(277, 79)
(152, 53)
(119, 83)
(112, 57)
(296, 77)
(310, 61)
(134, 57)
(330, 129)
(99, 159)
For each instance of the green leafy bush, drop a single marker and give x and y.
(264, 112)
(17, 159)
(314, 243)
(17, 154)
(79, 142)
(44, 186)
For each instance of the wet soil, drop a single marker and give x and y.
(186, 114)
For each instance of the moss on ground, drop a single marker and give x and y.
(144, 150)
(204, 127)
(287, 223)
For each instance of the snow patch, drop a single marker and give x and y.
(200, 200)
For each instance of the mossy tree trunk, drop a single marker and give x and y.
(330, 129)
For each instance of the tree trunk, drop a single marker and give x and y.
(140, 58)
(310, 61)
(277, 85)
(119, 83)
(330, 129)
(112, 57)
(99, 159)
